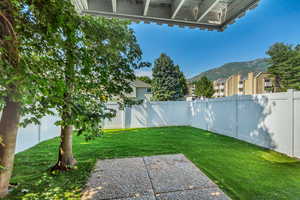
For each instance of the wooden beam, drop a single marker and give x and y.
(147, 3)
(177, 8)
(206, 7)
(114, 5)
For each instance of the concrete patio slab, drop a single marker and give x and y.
(175, 173)
(203, 194)
(151, 197)
(119, 179)
(166, 177)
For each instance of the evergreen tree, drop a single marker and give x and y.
(284, 66)
(291, 73)
(167, 83)
(204, 88)
(182, 81)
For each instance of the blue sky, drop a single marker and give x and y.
(249, 38)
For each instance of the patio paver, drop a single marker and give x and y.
(166, 177)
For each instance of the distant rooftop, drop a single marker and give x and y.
(140, 84)
(203, 14)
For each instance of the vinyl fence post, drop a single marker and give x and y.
(124, 117)
(148, 113)
(292, 106)
(206, 111)
(236, 116)
(39, 133)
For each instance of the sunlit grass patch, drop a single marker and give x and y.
(242, 170)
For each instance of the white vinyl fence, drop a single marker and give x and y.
(269, 120)
(34, 134)
(151, 114)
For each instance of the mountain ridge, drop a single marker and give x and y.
(228, 69)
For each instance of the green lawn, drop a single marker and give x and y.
(242, 170)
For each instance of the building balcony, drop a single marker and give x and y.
(268, 84)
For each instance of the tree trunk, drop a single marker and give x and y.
(8, 132)
(66, 160)
(11, 112)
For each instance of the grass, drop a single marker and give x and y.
(242, 170)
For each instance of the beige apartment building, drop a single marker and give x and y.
(258, 83)
(219, 87)
(234, 85)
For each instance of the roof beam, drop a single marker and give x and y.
(177, 6)
(114, 5)
(80, 5)
(206, 7)
(147, 3)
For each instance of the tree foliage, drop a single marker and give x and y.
(168, 82)
(182, 81)
(204, 88)
(145, 79)
(285, 66)
(27, 29)
(51, 58)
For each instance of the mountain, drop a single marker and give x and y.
(228, 69)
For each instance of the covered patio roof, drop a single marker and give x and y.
(203, 14)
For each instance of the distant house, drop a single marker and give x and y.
(141, 90)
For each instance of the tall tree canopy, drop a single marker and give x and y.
(97, 67)
(168, 83)
(204, 88)
(285, 66)
(182, 81)
(52, 58)
(24, 34)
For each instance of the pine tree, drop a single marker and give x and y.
(285, 66)
(182, 81)
(167, 83)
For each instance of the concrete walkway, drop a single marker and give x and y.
(167, 177)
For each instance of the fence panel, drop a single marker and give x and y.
(265, 120)
(297, 124)
(137, 116)
(251, 111)
(173, 113)
(221, 116)
(198, 117)
(47, 129)
(117, 122)
(27, 137)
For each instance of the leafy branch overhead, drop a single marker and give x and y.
(54, 61)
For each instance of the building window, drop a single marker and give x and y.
(148, 90)
(268, 83)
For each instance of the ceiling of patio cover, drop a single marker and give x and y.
(203, 14)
